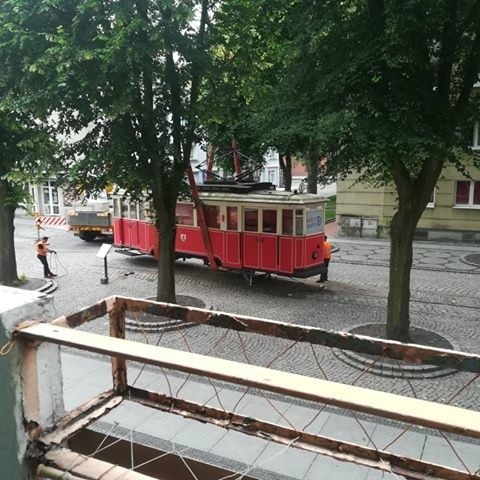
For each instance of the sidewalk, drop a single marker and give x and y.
(86, 377)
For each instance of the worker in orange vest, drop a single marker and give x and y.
(327, 255)
(42, 250)
(38, 226)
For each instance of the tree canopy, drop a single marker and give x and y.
(394, 92)
(27, 144)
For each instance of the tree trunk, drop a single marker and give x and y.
(8, 263)
(413, 195)
(312, 168)
(285, 162)
(401, 257)
(166, 230)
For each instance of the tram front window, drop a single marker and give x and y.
(251, 220)
(287, 222)
(298, 223)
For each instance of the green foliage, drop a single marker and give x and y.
(248, 95)
(124, 75)
(27, 145)
(396, 81)
(22, 280)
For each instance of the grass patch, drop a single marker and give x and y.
(22, 280)
(330, 208)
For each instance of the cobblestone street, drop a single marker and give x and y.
(445, 300)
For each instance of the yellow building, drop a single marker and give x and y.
(452, 214)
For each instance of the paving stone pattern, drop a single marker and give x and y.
(445, 299)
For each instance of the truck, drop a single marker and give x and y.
(91, 219)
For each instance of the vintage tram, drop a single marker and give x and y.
(251, 228)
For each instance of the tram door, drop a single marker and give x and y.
(129, 224)
(260, 241)
(269, 240)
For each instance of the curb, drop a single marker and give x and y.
(49, 287)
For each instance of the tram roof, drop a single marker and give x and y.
(264, 196)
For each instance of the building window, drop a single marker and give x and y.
(467, 193)
(50, 199)
(431, 201)
(476, 139)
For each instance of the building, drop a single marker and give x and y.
(453, 212)
(47, 199)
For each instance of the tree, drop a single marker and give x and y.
(27, 147)
(261, 61)
(127, 80)
(395, 86)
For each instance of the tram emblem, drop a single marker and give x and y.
(183, 237)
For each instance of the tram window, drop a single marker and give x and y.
(184, 213)
(287, 222)
(299, 222)
(251, 220)
(269, 224)
(143, 211)
(212, 216)
(124, 210)
(232, 218)
(133, 211)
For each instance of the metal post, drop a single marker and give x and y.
(104, 280)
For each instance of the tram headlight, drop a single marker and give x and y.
(315, 255)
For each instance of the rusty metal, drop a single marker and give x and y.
(119, 365)
(236, 158)
(81, 417)
(87, 467)
(387, 405)
(201, 218)
(467, 362)
(210, 157)
(407, 467)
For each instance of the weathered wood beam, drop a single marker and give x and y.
(407, 467)
(86, 314)
(405, 409)
(411, 353)
(87, 467)
(119, 365)
(81, 417)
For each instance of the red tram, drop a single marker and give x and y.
(252, 228)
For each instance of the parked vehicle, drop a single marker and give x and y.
(91, 219)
